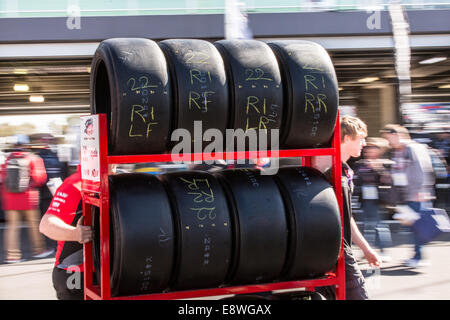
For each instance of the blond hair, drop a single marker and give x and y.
(352, 126)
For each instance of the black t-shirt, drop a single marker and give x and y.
(347, 190)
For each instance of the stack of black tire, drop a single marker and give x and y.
(149, 89)
(191, 230)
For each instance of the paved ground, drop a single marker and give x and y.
(397, 282)
(32, 279)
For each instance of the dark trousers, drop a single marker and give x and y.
(417, 206)
(68, 285)
(355, 284)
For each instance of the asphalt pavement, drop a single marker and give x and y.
(32, 279)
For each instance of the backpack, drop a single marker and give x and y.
(17, 174)
(51, 163)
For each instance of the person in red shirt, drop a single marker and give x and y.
(63, 222)
(21, 198)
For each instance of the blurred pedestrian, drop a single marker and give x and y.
(53, 168)
(412, 176)
(442, 145)
(21, 174)
(371, 180)
(353, 134)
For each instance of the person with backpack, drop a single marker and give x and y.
(21, 175)
(53, 168)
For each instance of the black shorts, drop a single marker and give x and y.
(68, 285)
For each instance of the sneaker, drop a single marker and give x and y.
(424, 263)
(10, 261)
(44, 254)
(385, 258)
(412, 263)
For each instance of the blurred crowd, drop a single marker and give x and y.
(398, 177)
(30, 172)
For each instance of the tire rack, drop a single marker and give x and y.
(101, 200)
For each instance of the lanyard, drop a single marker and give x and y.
(349, 175)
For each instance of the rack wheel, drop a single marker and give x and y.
(314, 222)
(311, 91)
(260, 226)
(200, 85)
(255, 86)
(141, 237)
(130, 83)
(203, 230)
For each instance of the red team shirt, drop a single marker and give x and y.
(67, 206)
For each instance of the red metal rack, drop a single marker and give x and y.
(101, 199)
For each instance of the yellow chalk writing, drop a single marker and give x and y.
(309, 79)
(256, 74)
(320, 98)
(141, 83)
(130, 134)
(203, 196)
(195, 96)
(138, 112)
(133, 111)
(196, 74)
(204, 212)
(252, 101)
(309, 97)
(197, 57)
(311, 67)
(193, 99)
(149, 127)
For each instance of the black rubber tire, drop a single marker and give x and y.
(130, 83)
(311, 87)
(204, 234)
(256, 88)
(314, 220)
(200, 85)
(142, 239)
(259, 221)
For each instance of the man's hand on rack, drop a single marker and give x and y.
(83, 233)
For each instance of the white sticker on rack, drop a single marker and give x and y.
(90, 148)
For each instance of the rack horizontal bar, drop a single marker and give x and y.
(167, 157)
(331, 280)
(92, 200)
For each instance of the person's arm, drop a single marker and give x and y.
(370, 254)
(56, 229)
